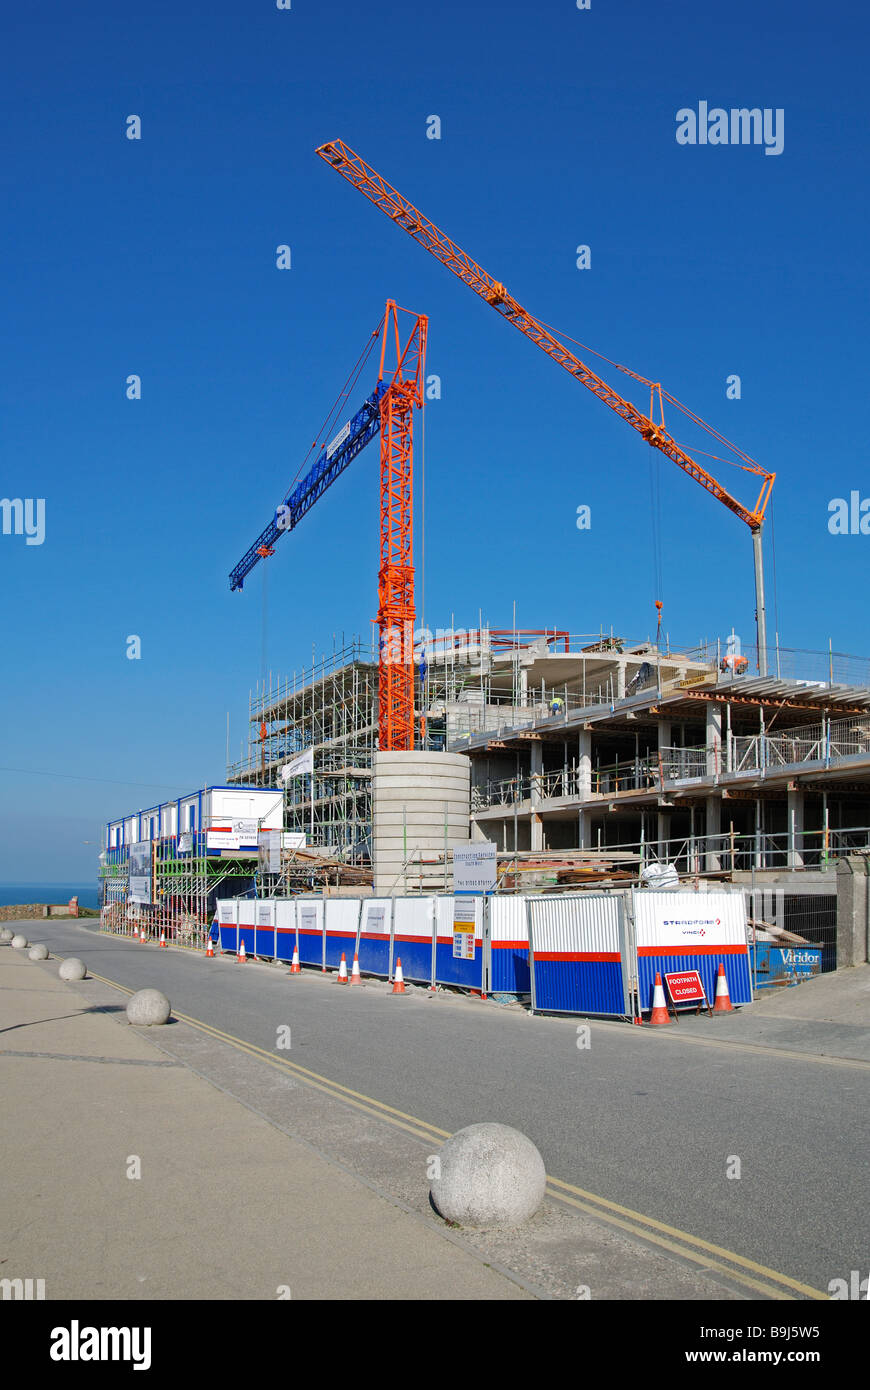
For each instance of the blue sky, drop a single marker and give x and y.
(157, 257)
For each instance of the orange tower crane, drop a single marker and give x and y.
(401, 211)
(389, 411)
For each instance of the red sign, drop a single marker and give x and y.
(686, 988)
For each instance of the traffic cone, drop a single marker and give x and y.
(295, 967)
(398, 979)
(659, 1009)
(355, 977)
(243, 955)
(342, 971)
(163, 938)
(209, 948)
(142, 935)
(723, 1003)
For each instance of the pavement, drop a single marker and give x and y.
(828, 1016)
(637, 1132)
(226, 1207)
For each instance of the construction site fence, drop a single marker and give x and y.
(585, 953)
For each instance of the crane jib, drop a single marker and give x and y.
(330, 463)
(391, 202)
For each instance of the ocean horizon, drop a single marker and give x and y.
(22, 893)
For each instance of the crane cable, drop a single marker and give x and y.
(749, 464)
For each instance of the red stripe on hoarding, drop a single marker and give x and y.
(691, 950)
(577, 955)
(510, 945)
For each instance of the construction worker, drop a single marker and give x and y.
(557, 705)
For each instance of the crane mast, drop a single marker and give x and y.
(384, 196)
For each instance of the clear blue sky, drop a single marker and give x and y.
(157, 257)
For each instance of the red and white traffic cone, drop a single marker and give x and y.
(722, 1003)
(163, 938)
(355, 976)
(142, 935)
(659, 1009)
(209, 949)
(398, 979)
(342, 971)
(242, 955)
(295, 967)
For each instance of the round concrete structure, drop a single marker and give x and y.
(414, 796)
(72, 969)
(38, 952)
(5, 936)
(491, 1175)
(20, 942)
(148, 1007)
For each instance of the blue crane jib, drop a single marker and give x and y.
(360, 431)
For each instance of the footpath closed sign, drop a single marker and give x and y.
(474, 867)
(686, 987)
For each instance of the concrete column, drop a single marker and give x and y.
(584, 830)
(663, 828)
(536, 749)
(795, 827)
(536, 831)
(714, 740)
(620, 681)
(713, 858)
(584, 764)
(853, 917)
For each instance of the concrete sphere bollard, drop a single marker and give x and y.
(72, 969)
(490, 1175)
(20, 942)
(147, 1007)
(5, 936)
(38, 952)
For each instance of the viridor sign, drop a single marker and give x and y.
(474, 867)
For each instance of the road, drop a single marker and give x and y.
(649, 1120)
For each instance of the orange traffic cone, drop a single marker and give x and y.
(209, 948)
(243, 955)
(355, 977)
(142, 934)
(295, 967)
(659, 1009)
(163, 938)
(342, 971)
(723, 1003)
(398, 979)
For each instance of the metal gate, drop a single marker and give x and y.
(579, 954)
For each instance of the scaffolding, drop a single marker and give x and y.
(466, 679)
(330, 708)
(184, 887)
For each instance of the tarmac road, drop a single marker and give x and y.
(649, 1120)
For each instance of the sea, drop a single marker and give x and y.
(88, 893)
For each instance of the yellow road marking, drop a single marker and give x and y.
(634, 1222)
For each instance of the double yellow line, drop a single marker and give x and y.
(761, 1280)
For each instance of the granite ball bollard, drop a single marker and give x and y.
(490, 1176)
(20, 942)
(72, 969)
(5, 936)
(148, 1007)
(38, 952)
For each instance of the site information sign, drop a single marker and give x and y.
(140, 872)
(463, 931)
(474, 867)
(686, 988)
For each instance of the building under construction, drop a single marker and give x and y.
(593, 744)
